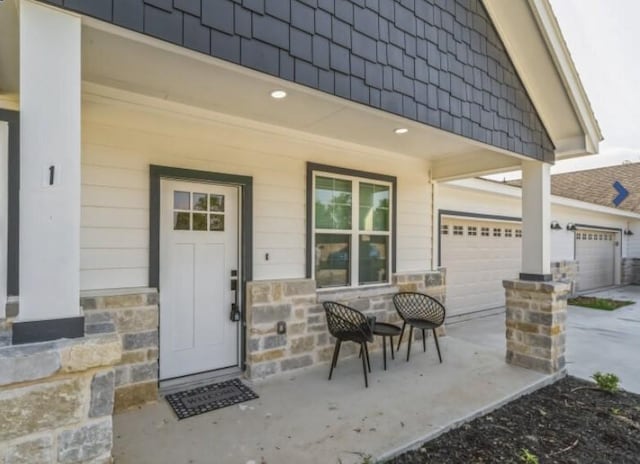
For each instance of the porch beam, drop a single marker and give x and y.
(50, 92)
(472, 165)
(536, 221)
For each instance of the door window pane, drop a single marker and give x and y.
(216, 222)
(181, 200)
(374, 207)
(374, 259)
(216, 203)
(333, 203)
(200, 201)
(181, 221)
(199, 221)
(332, 260)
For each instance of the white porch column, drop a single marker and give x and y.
(536, 221)
(50, 84)
(4, 213)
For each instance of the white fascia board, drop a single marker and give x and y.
(516, 192)
(559, 51)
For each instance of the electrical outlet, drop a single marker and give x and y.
(281, 327)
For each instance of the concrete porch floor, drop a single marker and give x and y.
(605, 341)
(303, 418)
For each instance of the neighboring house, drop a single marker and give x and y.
(154, 171)
(593, 242)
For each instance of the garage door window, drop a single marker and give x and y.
(352, 230)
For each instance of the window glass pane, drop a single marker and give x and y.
(374, 259)
(374, 207)
(180, 221)
(332, 258)
(216, 203)
(199, 221)
(216, 222)
(333, 203)
(200, 201)
(181, 200)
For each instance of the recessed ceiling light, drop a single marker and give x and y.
(278, 94)
(401, 130)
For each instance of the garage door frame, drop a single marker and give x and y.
(461, 215)
(465, 214)
(617, 265)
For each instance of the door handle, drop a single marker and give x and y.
(235, 311)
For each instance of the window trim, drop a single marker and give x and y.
(312, 170)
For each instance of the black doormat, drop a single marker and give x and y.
(199, 400)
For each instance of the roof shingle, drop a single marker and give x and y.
(596, 185)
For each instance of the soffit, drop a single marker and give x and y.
(151, 68)
(566, 120)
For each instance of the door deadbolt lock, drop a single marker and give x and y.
(235, 313)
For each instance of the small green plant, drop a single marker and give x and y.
(367, 459)
(616, 411)
(607, 381)
(528, 457)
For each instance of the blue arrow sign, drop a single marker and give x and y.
(622, 193)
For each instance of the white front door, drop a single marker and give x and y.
(198, 256)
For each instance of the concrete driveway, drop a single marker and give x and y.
(605, 341)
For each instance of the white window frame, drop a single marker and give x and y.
(355, 231)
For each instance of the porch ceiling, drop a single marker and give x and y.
(117, 58)
(132, 62)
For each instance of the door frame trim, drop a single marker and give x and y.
(156, 173)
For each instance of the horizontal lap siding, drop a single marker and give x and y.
(633, 241)
(120, 142)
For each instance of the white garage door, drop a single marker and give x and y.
(478, 256)
(595, 253)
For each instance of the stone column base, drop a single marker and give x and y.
(535, 320)
(56, 400)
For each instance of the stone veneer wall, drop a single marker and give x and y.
(535, 319)
(566, 271)
(307, 340)
(630, 271)
(133, 316)
(56, 401)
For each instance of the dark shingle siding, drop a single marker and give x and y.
(440, 62)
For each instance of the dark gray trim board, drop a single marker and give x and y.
(46, 330)
(589, 226)
(536, 277)
(437, 62)
(13, 201)
(448, 212)
(246, 219)
(311, 168)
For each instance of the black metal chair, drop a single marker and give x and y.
(422, 312)
(348, 324)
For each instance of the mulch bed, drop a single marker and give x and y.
(556, 424)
